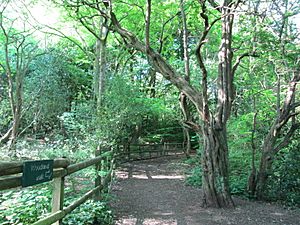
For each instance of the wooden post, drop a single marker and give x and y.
(58, 196)
(164, 149)
(97, 196)
(106, 168)
(140, 152)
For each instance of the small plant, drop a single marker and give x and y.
(90, 213)
(25, 206)
(194, 178)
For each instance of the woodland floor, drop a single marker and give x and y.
(152, 192)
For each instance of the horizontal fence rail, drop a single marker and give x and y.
(149, 151)
(11, 177)
(11, 174)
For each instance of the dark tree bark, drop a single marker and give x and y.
(253, 174)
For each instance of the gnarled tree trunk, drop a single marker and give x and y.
(215, 177)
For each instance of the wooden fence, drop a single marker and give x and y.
(149, 151)
(11, 174)
(11, 177)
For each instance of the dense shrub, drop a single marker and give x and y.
(90, 213)
(28, 205)
(24, 206)
(284, 182)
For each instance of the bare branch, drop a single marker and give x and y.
(161, 38)
(239, 59)
(5, 137)
(32, 122)
(191, 125)
(201, 42)
(185, 42)
(295, 105)
(287, 137)
(58, 33)
(214, 4)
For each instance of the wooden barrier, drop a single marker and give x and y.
(11, 174)
(149, 151)
(11, 177)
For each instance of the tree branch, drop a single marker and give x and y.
(160, 64)
(295, 105)
(239, 59)
(191, 125)
(201, 42)
(215, 5)
(287, 137)
(147, 25)
(161, 38)
(5, 137)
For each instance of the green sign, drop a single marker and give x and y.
(36, 172)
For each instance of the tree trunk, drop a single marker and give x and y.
(22, 61)
(183, 98)
(265, 164)
(252, 178)
(215, 178)
(99, 84)
(17, 109)
(186, 117)
(100, 67)
(152, 82)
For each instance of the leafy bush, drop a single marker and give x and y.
(25, 206)
(240, 161)
(90, 213)
(5, 114)
(195, 177)
(284, 182)
(194, 174)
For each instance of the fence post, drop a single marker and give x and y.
(98, 166)
(140, 152)
(58, 196)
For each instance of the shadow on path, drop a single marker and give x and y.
(153, 192)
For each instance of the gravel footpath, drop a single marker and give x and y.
(152, 192)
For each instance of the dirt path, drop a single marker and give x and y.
(152, 192)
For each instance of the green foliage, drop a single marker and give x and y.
(239, 162)
(284, 182)
(49, 89)
(194, 172)
(24, 206)
(5, 114)
(90, 213)
(194, 177)
(28, 205)
(128, 109)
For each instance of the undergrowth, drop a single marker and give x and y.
(26, 206)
